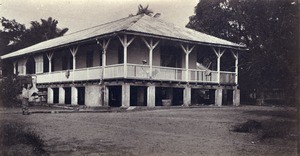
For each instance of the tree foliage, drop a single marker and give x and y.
(15, 36)
(268, 28)
(144, 10)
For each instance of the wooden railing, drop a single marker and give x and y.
(203, 75)
(114, 71)
(137, 71)
(168, 73)
(227, 77)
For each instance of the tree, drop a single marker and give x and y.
(15, 36)
(11, 35)
(45, 30)
(144, 10)
(268, 28)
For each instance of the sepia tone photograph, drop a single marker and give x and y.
(149, 77)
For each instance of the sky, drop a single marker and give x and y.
(81, 14)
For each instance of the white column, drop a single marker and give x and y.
(219, 55)
(49, 95)
(104, 45)
(125, 95)
(49, 56)
(74, 96)
(151, 47)
(73, 52)
(125, 44)
(218, 97)
(236, 57)
(151, 96)
(24, 65)
(61, 95)
(187, 50)
(187, 96)
(15, 67)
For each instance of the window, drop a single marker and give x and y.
(89, 58)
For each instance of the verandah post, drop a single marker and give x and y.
(187, 50)
(151, 47)
(219, 55)
(125, 44)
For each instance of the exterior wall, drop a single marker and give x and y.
(193, 59)
(97, 52)
(156, 56)
(57, 64)
(137, 52)
(81, 58)
(112, 52)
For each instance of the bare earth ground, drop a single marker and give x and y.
(184, 131)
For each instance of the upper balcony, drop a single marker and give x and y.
(136, 71)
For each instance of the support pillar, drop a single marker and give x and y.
(151, 96)
(74, 96)
(187, 50)
(187, 96)
(73, 52)
(15, 67)
(125, 95)
(61, 95)
(125, 44)
(49, 56)
(106, 96)
(49, 95)
(151, 47)
(236, 97)
(104, 44)
(92, 95)
(219, 55)
(218, 97)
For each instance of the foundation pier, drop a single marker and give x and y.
(61, 95)
(151, 96)
(236, 97)
(218, 97)
(74, 97)
(49, 95)
(187, 96)
(125, 95)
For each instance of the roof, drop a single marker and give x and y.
(141, 24)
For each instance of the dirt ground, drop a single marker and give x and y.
(171, 132)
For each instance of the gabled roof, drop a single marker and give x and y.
(140, 24)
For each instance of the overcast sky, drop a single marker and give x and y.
(81, 14)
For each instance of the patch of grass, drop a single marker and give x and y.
(14, 134)
(269, 129)
(248, 127)
(281, 114)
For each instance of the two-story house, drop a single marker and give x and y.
(134, 61)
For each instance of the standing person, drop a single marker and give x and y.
(25, 98)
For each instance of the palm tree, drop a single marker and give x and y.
(144, 10)
(46, 30)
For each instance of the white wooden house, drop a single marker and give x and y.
(138, 60)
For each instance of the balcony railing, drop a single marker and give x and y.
(227, 77)
(136, 71)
